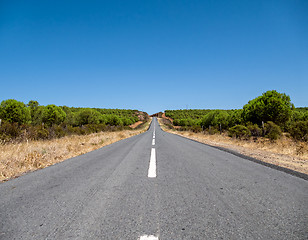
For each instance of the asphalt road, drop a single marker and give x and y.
(194, 192)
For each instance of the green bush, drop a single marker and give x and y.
(235, 117)
(37, 118)
(41, 133)
(299, 130)
(114, 120)
(12, 110)
(37, 133)
(254, 129)
(88, 116)
(71, 117)
(57, 131)
(54, 122)
(9, 130)
(53, 114)
(239, 131)
(196, 129)
(33, 105)
(271, 106)
(126, 121)
(215, 118)
(272, 131)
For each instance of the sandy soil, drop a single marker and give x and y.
(136, 124)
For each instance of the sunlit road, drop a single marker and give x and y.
(155, 186)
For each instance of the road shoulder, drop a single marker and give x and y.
(289, 164)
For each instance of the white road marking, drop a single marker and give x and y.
(153, 141)
(152, 167)
(150, 237)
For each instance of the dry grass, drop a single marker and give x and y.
(284, 152)
(19, 158)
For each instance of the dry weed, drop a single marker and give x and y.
(16, 159)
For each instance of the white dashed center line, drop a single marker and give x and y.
(152, 167)
(150, 237)
(153, 141)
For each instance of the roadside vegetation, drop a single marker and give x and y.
(268, 128)
(34, 136)
(21, 157)
(25, 122)
(270, 115)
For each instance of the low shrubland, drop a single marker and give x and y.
(34, 136)
(269, 115)
(24, 122)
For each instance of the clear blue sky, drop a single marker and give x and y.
(153, 55)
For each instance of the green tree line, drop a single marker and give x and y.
(37, 122)
(267, 115)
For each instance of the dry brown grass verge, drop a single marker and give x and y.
(19, 158)
(284, 152)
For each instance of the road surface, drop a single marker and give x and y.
(155, 186)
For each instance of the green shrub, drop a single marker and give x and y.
(213, 130)
(254, 129)
(42, 133)
(53, 114)
(271, 106)
(196, 129)
(71, 117)
(37, 118)
(239, 131)
(37, 132)
(126, 121)
(10, 130)
(215, 118)
(235, 117)
(272, 131)
(14, 111)
(299, 130)
(33, 105)
(114, 120)
(58, 131)
(88, 116)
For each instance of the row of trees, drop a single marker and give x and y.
(14, 111)
(56, 121)
(268, 113)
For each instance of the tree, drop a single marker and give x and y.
(114, 120)
(36, 118)
(215, 118)
(53, 114)
(235, 117)
(88, 116)
(33, 105)
(271, 106)
(71, 117)
(12, 110)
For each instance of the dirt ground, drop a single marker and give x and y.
(136, 124)
(283, 152)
